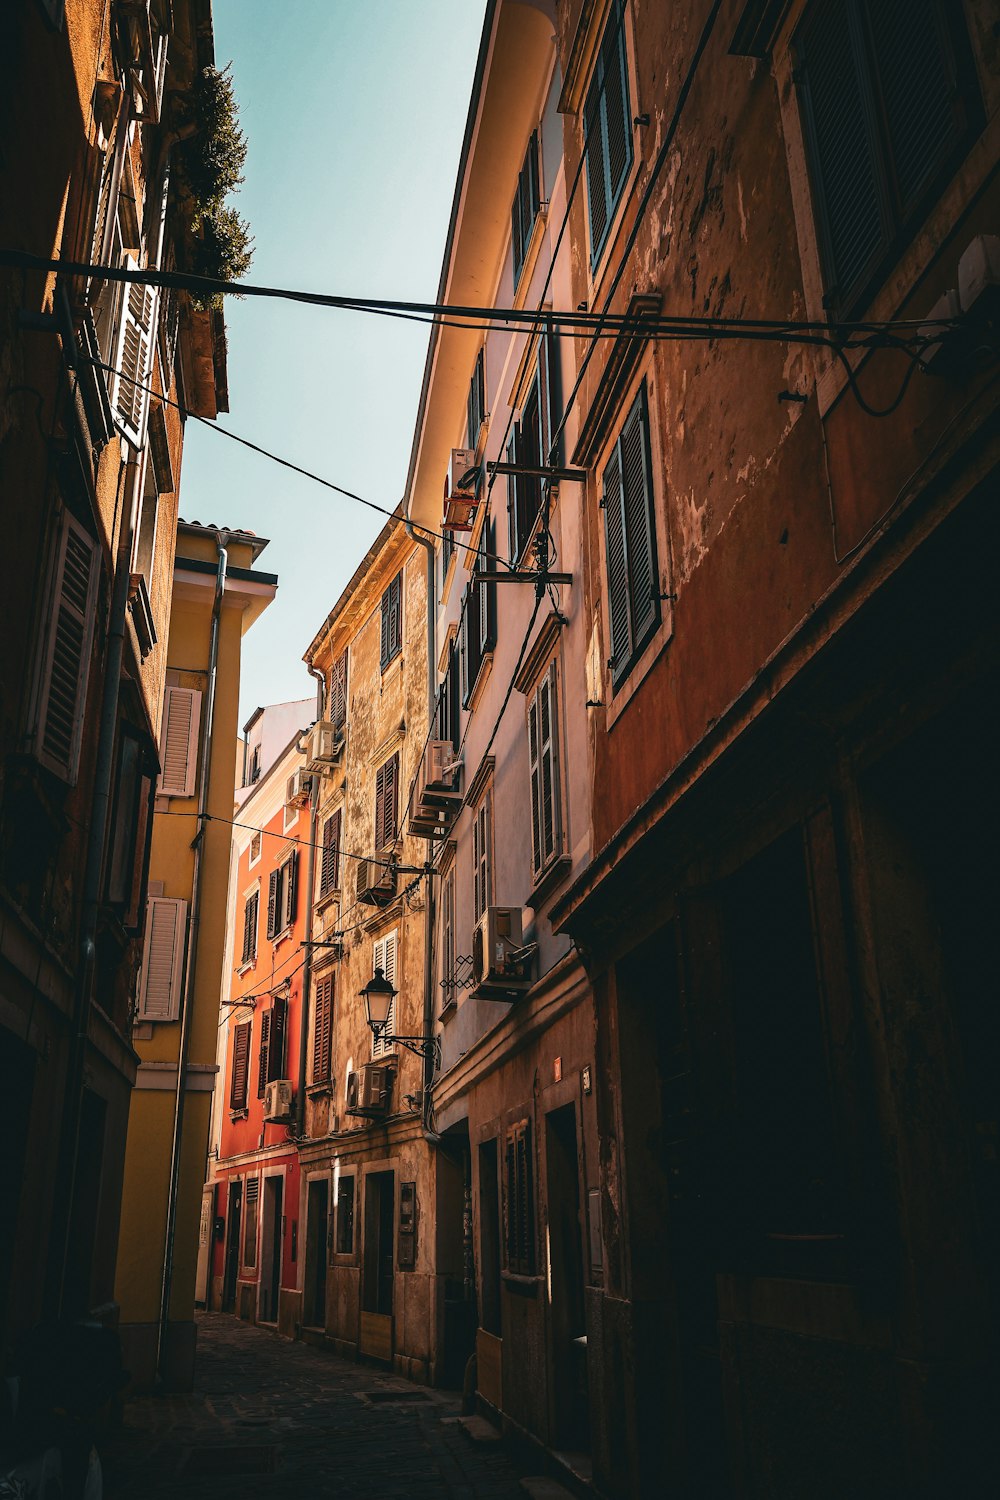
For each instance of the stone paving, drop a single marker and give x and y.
(270, 1417)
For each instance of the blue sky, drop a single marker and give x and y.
(354, 116)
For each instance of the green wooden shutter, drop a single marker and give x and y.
(637, 509)
(617, 564)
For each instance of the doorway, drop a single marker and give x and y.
(232, 1268)
(270, 1252)
(569, 1342)
(317, 1217)
(377, 1265)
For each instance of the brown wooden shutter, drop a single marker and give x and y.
(241, 1066)
(326, 880)
(262, 1062)
(338, 690)
(322, 1031)
(66, 663)
(391, 623)
(519, 1217)
(276, 1039)
(386, 802)
(272, 903)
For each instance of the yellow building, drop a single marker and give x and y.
(217, 595)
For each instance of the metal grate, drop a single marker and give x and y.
(217, 1460)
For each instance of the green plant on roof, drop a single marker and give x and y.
(211, 163)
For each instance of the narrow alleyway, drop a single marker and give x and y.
(278, 1418)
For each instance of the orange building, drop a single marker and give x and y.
(254, 1185)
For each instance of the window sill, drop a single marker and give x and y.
(482, 678)
(547, 882)
(447, 1010)
(238, 1114)
(317, 1090)
(531, 249)
(247, 967)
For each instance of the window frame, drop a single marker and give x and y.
(282, 896)
(240, 1098)
(638, 641)
(329, 864)
(322, 1047)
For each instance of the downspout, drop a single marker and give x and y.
(300, 1099)
(428, 1026)
(191, 954)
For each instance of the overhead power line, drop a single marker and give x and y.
(566, 323)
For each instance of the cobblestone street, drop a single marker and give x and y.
(269, 1417)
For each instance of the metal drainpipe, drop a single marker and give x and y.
(428, 1027)
(191, 954)
(300, 1102)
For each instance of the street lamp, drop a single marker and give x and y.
(378, 996)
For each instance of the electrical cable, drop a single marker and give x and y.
(287, 838)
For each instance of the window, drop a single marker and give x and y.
(255, 846)
(162, 957)
(630, 535)
(482, 857)
(392, 622)
(338, 691)
(476, 405)
(133, 356)
(479, 615)
(543, 755)
(253, 770)
(131, 827)
(386, 802)
(289, 816)
(384, 958)
(449, 701)
(179, 741)
(65, 652)
(607, 127)
(322, 1030)
(525, 207)
(519, 1200)
(251, 912)
(345, 1216)
(447, 553)
(250, 1221)
(281, 896)
(448, 959)
(272, 1044)
(889, 104)
(530, 446)
(329, 868)
(238, 1086)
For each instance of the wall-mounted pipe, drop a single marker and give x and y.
(191, 947)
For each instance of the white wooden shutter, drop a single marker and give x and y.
(163, 953)
(179, 741)
(66, 659)
(384, 958)
(133, 356)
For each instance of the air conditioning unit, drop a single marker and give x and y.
(324, 747)
(376, 882)
(368, 1091)
(278, 1100)
(463, 477)
(436, 798)
(499, 960)
(461, 491)
(298, 788)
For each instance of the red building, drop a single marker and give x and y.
(254, 1192)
